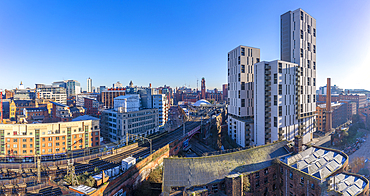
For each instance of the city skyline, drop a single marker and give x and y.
(126, 41)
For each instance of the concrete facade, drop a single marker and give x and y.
(115, 124)
(298, 45)
(276, 107)
(240, 93)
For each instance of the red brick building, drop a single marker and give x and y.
(36, 114)
(107, 96)
(91, 106)
(270, 169)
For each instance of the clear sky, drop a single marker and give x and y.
(169, 42)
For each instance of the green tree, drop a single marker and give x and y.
(246, 184)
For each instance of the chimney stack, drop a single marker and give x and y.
(328, 126)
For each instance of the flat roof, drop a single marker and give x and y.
(83, 189)
(85, 117)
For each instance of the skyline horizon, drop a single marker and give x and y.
(131, 40)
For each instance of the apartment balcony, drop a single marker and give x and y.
(267, 109)
(268, 99)
(267, 78)
(267, 88)
(268, 83)
(267, 72)
(267, 66)
(267, 93)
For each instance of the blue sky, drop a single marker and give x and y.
(169, 42)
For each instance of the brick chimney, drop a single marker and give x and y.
(328, 125)
(298, 143)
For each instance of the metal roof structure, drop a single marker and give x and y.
(347, 184)
(316, 162)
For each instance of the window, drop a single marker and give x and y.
(308, 29)
(31, 139)
(280, 89)
(238, 60)
(24, 151)
(301, 34)
(266, 180)
(257, 183)
(302, 181)
(291, 185)
(275, 99)
(57, 138)
(257, 175)
(31, 145)
(57, 144)
(275, 78)
(314, 32)
(308, 99)
(280, 110)
(50, 150)
(96, 133)
(239, 94)
(301, 15)
(312, 186)
(14, 140)
(301, 52)
(314, 81)
(243, 68)
(314, 48)
(308, 46)
(15, 146)
(243, 85)
(43, 139)
(49, 144)
(24, 140)
(243, 51)
(280, 68)
(8, 140)
(238, 77)
(290, 175)
(266, 171)
(43, 145)
(274, 176)
(308, 64)
(50, 139)
(243, 102)
(24, 145)
(275, 121)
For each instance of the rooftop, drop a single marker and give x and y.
(333, 104)
(180, 172)
(316, 162)
(85, 117)
(347, 184)
(58, 104)
(201, 102)
(83, 189)
(128, 96)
